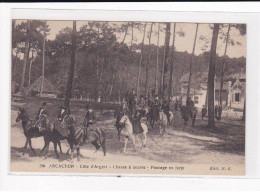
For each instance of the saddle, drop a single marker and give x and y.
(63, 132)
(137, 128)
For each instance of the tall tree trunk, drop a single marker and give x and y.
(130, 56)
(223, 68)
(140, 65)
(162, 69)
(43, 60)
(191, 61)
(166, 56)
(13, 65)
(97, 70)
(148, 63)
(211, 77)
(26, 55)
(71, 74)
(244, 111)
(30, 68)
(157, 60)
(115, 66)
(171, 67)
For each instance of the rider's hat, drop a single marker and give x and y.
(62, 107)
(44, 104)
(88, 106)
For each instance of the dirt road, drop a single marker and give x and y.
(195, 150)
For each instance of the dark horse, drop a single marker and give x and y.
(52, 134)
(153, 114)
(46, 130)
(188, 113)
(118, 114)
(77, 134)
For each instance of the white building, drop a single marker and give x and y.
(233, 93)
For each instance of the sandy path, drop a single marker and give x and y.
(173, 150)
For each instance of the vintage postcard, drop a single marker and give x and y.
(124, 98)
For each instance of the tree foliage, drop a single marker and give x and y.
(98, 46)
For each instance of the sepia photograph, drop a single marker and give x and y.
(142, 98)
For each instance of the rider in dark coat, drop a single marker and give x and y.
(166, 110)
(216, 111)
(90, 117)
(203, 112)
(42, 110)
(132, 102)
(190, 105)
(157, 105)
(176, 104)
(140, 106)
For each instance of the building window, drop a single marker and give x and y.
(196, 99)
(237, 97)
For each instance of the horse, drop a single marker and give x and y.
(52, 135)
(188, 113)
(118, 114)
(31, 131)
(153, 115)
(78, 134)
(171, 118)
(130, 132)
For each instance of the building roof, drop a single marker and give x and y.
(48, 87)
(196, 77)
(217, 86)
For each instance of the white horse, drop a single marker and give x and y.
(163, 121)
(130, 132)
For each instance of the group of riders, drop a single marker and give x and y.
(145, 106)
(136, 109)
(89, 119)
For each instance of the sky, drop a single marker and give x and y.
(182, 44)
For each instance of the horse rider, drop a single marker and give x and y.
(176, 105)
(42, 110)
(203, 112)
(166, 109)
(126, 97)
(190, 105)
(140, 107)
(219, 112)
(132, 102)
(216, 111)
(157, 104)
(90, 117)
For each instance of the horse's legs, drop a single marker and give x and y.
(133, 137)
(30, 144)
(25, 146)
(70, 147)
(96, 145)
(144, 144)
(193, 120)
(55, 149)
(71, 150)
(44, 145)
(47, 148)
(60, 146)
(103, 145)
(119, 133)
(126, 140)
(26, 143)
(78, 153)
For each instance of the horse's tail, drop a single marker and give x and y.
(79, 136)
(101, 135)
